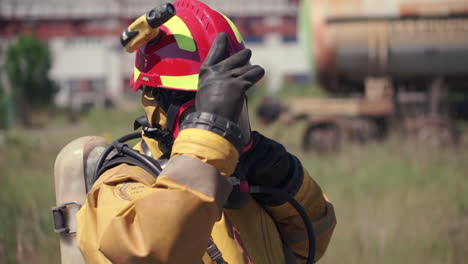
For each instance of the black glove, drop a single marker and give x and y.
(224, 81)
(268, 163)
(221, 91)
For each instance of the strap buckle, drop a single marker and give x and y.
(60, 224)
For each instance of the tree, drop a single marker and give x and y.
(27, 65)
(3, 108)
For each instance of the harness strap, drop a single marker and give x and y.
(172, 114)
(60, 215)
(214, 253)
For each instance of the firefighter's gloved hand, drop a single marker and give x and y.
(268, 163)
(224, 80)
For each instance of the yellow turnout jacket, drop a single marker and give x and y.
(131, 217)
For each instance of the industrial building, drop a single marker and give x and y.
(91, 67)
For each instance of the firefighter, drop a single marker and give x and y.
(193, 79)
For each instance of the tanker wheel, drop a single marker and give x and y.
(364, 130)
(437, 131)
(322, 138)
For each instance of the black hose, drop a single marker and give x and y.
(299, 209)
(135, 154)
(109, 149)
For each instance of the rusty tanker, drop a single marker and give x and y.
(385, 62)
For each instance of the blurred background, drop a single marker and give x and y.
(371, 95)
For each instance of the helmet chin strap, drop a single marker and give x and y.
(176, 114)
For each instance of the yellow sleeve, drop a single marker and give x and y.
(130, 217)
(291, 227)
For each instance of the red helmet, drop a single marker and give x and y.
(173, 60)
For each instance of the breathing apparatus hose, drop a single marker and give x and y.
(299, 209)
(123, 148)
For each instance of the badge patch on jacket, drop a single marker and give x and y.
(131, 190)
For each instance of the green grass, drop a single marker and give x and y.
(26, 181)
(26, 196)
(396, 202)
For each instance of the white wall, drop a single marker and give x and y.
(279, 58)
(90, 58)
(103, 58)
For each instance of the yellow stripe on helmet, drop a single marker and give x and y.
(234, 29)
(181, 33)
(187, 82)
(136, 74)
